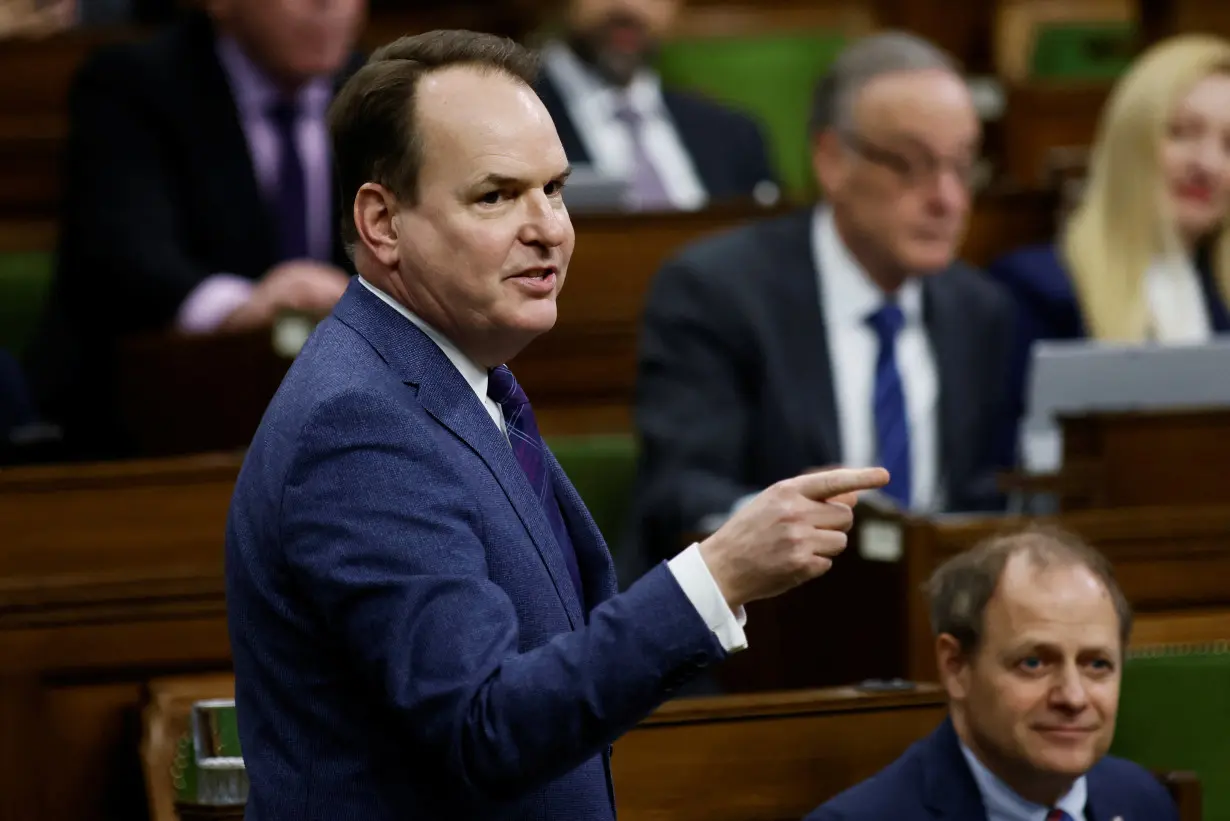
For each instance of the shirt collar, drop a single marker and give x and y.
(255, 91)
(475, 375)
(850, 296)
(1003, 804)
(580, 85)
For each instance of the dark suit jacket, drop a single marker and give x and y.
(406, 638)
(1047, 308)
(727, 147)
(160, 192)
(734, 386)
(933, 780)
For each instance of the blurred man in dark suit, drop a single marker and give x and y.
(678, 151)
(198, 193)
(846, 333)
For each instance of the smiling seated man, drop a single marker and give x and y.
(1030, 633)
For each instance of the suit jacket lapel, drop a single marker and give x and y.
(950, 790)
(444, 393)
(569, 137)
(597, 566)
(798, 308)
(945, 331)
(218, 132)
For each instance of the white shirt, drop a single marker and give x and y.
(688, 568)
(592, 103)
(1003, 804)
(847, 297)
(1175, 301)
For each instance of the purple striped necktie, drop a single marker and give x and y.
(528, 447)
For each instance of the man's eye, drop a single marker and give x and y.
(491, 197)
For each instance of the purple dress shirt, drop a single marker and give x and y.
(211, 302)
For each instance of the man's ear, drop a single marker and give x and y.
(953, 665)
(374, 210)
(828, 160)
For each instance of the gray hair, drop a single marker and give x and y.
(961, 587)
(886, 53)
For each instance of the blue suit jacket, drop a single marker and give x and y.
(1047, 308)
(405, 637)
(933, 780)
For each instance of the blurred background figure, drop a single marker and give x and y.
(847, 333)
(1145, 256)
(676, 150)
(198, 193)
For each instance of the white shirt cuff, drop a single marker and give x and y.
(699, 586)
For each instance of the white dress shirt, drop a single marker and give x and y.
(688, 568)
(847, 297)
(1003, 804)
(1175, 301)
(592, 104)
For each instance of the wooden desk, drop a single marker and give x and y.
(868, 619)
(185, 395)
(767, 757)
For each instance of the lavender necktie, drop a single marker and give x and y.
(290, 201)
(648, 190)
(528, 447)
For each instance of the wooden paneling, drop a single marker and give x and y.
(1046, 124)
(109, 574)
(768, 757)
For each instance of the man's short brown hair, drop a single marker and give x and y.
(373, 123)
(962, 586)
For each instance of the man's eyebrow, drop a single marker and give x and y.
(505, 181)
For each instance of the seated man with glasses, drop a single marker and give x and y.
(846, 333)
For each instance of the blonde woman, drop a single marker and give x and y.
(1144, 257)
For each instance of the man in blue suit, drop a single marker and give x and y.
(1031, 630)
(423, 614)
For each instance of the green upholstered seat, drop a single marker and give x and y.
(770, 77)
(1174, 713)
(603, 469)
(1083, 51)
(25, 279)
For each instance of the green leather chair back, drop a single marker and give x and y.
(25, 279)
(1174, 713)
(603, 470)
(769, 77)
(1083, 51)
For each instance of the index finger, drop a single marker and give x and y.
(828, 484)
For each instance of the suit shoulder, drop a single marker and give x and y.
(978, 290)
(1127, 778)
(697, 105)
(731, 253)
(887, 794)
(141, 63)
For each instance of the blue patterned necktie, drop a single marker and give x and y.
(528, 447)
(290, 201)
(891, 422)
(1058, 815)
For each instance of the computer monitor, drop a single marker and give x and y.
(1073, 377)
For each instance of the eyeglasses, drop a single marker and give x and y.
(913, 168)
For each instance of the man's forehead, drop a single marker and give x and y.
(471, 113)
(1049, 598)
(924, 101)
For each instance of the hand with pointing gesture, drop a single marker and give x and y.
(787, 535)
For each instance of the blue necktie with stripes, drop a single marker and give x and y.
(891, 422)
